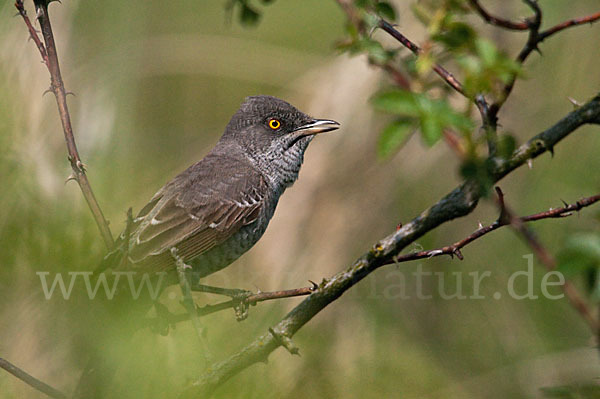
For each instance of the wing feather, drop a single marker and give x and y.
(197, 211)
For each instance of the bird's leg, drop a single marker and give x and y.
(239, 297)
(233, 293)
(188, 302)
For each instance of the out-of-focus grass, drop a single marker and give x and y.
(156, 84)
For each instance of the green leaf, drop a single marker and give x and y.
(394, 136)
(434, 115)
(431, 129)
(450, 118)
(385, 10)
(506, 145)
(486, 51)
(249, 16)
(581, 253)
(362, 3)
(457, 35)
(399, 102)
(377, 54)
(424, 63)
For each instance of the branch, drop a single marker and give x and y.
(440, 70)
(546, 258)
(503, 23)
(455, 248)
(50, 58)
(205, 310)
(568, 24)
(30, 380)
(489, 123)
(534, 39)
(459, 202)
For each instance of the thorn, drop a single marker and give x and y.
(38, 13)
(551, 150)
(537, 49)
(81, 166)
(435, 252)
(373, 29)
(285, 341)
(459, 254)
(71, 177)
(480, 226)
(575, 103)
(71, 93)
(564, 202)
(530, 163)
(314, 286)
(48, 90)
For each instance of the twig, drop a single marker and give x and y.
(546, 258)
(32, 32)
(50, 58)
(534, 39)
(440, 70)
(493, 20)
(459, 202)
(489, 123)
(354, 18)
(250, 300)
(31, 380)
(455, 248)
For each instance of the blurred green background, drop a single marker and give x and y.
(156, 83)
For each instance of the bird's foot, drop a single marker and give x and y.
(233, 293)
(239, 297)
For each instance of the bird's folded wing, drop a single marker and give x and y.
(198, 211)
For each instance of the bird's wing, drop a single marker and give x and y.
(199, 209)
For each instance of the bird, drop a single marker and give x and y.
(218, 208)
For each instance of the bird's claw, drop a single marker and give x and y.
(242, 305)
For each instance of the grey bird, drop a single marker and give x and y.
(218, 208)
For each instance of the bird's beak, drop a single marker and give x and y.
(316, 126)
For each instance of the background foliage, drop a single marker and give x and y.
(155, 86)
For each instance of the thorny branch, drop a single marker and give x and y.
(534, 39)
(50, 57)
(31, 380)
(455, 249)
(250, 300)
(497, 21)
(459, 202)
(518, 224)
(440, 70)
(451, 250)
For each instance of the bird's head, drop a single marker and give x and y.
(267, 127)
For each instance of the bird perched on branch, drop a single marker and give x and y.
(219, 207)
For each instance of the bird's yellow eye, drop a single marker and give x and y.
(274, 124)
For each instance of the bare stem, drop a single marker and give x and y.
(546, 257)
(497, 21)
(455, 248)
(534, 39)
(50, 58)
(31, 380)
